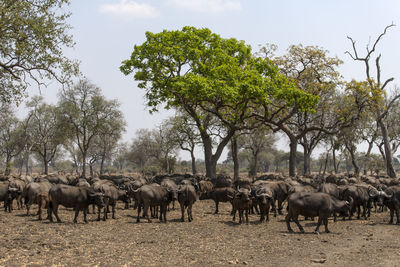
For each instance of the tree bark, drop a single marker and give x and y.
(334, 160)
(292, 157)
(102, 166)
(254, 166)
(91, 170)
(325, 163)
(307, 159)
(211, 159)
(388, 151)
(83, 175)
(234, 150)
(194, 170)
(8, 167)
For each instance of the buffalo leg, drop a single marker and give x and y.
(391, 216)
(85, 210)
(55, 211)
(139, 209)
(274, 207)
(247, 216)
(267, 211)
(326, 225)
(216, 207)
(287, 219)
(40, 210)
(113, 210)
(98, 213)
(318, 224)
(397, 216)
(146, 212)
(190, 212)
(280, 201)
(296, 220)
(234, 214)
(76, 214)
(49, 213)
(182, 212)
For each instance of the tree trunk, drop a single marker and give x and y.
(307, 159)
(194, 171)
(234, 150)
(83, 165)
(45, 163)
(334, 157)
(254, 166)
(8, 167)
(354, 162)
(292, 157)
(91, 170)
(211, 159)
(102, 165)
(325, 163)
(388, 151)
(27, 163)
(46, 167)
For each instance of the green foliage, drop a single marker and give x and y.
(32, 36)
(198, 67)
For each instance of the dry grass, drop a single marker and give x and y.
(210, 240)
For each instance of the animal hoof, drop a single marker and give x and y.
(327, 231)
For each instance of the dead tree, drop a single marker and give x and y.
(378, 88)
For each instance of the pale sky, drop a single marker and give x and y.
(105, 32)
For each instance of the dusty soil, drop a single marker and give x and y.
(210, 240)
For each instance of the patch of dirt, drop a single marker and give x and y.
(210, 240)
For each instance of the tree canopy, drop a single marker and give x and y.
(209, 76)
(33, 34)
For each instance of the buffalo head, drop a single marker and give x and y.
(97, 198)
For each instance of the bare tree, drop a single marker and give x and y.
(378, 89)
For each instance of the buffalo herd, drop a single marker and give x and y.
(152, 197)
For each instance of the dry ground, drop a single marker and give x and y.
(210, 240)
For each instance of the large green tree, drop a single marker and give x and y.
(208, 77)
(33, 34)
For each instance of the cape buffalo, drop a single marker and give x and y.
(242, 202)
(75, 197)
(220, 194)
(186, 197)
(312, 205)
(153, 196)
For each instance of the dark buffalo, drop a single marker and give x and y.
(32, 189)
(265, 197)
(153, 195)
(170, 185)
(390, 197)
(75, 197)
(7, 195)
(19, 185)
(242, 202)
(223, 194)
(43, 200)
(312, 205)
(186, 197)
(111, 196)
(361, 196)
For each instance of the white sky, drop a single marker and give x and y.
(105, 32)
